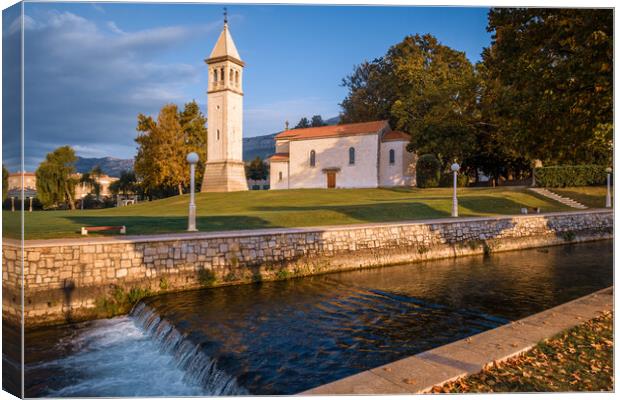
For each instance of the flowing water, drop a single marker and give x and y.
(285, 337)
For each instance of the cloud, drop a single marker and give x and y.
(85, 83)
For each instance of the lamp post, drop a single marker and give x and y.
(192, 159)
(30, 209)
(12, 203)
(608, 198)
(455, 204)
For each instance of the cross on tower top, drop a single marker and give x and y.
(225, 15)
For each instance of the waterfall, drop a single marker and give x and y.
(199, 368)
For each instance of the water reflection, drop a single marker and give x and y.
(285, 337)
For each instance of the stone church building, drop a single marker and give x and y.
(360, 155)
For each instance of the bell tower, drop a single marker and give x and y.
(224, 168)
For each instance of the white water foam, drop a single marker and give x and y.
(136, 355)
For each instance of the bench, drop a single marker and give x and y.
(530, 210)
(121, 229)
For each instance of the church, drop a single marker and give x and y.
(360, 155)
(224, 168)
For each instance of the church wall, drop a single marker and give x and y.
(334, 153)
(275, 168)
(401, 173)
(282, 146)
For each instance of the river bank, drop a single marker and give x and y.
(68, 280)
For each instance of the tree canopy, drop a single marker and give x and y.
(5, 182)
(551, 74)
(543, 91)
(257, 169)
(55, 181)
(160, 163)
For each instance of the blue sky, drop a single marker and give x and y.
(90, 68)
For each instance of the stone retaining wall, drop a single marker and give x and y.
(74, 279)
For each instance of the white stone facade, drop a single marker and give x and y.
(224, 168)
(366, 155)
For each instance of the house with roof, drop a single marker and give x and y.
(359, 155)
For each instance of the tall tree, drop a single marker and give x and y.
(55, 183)
(125, 184)
(303, 123)
(422, 87)
(317, 120)
(5, 182)
(553, 70)
(257, 169)
(164, 144)
(91, 180)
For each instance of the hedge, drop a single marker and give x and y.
(447, 180)
(428, 171)
(570, 175)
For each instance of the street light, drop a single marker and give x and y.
(192, 159)
(608, 198)
(455, 205)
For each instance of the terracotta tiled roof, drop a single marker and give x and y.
(279, 157)
(333, 130)
(395, 135)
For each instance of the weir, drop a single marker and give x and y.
(290, 336)
(189, 357)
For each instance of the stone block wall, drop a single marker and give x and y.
(72, 279)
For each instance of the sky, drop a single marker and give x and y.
(90, 68)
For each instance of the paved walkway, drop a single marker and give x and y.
(419, 373)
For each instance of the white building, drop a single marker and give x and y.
(360, 155)
(224, 169)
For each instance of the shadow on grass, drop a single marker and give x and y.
(408, 210)
(137, 225)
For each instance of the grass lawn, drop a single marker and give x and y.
(590, 196)
(286, 208)
(579, 359)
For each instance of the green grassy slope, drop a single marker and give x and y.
(288, 208)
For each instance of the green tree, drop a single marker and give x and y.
(5, 182)
(552, 76)
(257, 169)
(161, 163)
(424, 88)
(317, 120)
(303, 123)
(91, 180)
(125, 184)
(55, 183)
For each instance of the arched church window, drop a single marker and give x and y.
(392, 156)
(218, 134)
(230, 75)
(237, 77)
(214, 73)
(280, 176)
(351, 155)
(222, 76)
(312, 158)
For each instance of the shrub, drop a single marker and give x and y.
(447, 180)
(570, 175)
(428, 171)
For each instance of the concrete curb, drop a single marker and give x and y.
(419, 373)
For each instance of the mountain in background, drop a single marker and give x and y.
(261, 146)
(111, 166)
(265, 145)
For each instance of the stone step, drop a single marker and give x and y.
(561, 199)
